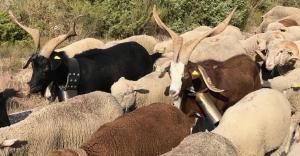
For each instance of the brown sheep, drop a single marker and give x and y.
(149, 130)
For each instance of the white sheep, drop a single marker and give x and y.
(218, 47)
(291, 33)
(275, 14)
(148, 42)
(59, 125)
(167, 46)
(148, 89)
(284, 23)
(283, 53)
(246, 128)
(286, 83)
(81, 46)
(204, 144)
(250, 126)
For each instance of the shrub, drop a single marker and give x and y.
(123, 18)
(8, 31)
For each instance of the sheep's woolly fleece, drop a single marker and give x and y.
(263, 134)
(81, 46)
(148, 42)
(204, 144)
(61, 125)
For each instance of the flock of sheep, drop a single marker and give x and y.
(247, 84)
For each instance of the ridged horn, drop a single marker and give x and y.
(208, 81)
(34, 33)
(186, 51)
(177, 40)
(49, 47)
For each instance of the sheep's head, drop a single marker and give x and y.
(183, 52)
(281, 53)
(41, 58)
(125, 92)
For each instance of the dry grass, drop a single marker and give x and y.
(13, 76)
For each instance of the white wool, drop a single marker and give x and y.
(81, 46)
(219, 48)
(148, 42)
(258, 123)
(60, 125)
(275, 14)
(167, 46)
(204, 144)
(284, 82)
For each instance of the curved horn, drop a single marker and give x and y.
(177, 40)
(295, 57)
(53, 43)
(184, 58)
(293, 47)
(34, 33)
(207, 81)
(262, 56)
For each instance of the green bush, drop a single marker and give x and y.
(8, 31)
(183, 15)
(123, 18)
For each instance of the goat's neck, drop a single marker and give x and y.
(59, 76)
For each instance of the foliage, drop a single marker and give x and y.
(9, 31)
(123, 18)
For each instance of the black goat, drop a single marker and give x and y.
(95, 69)
(99, 68)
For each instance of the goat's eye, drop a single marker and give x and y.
(290, 53)
(281, 51)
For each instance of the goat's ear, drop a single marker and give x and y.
(55, 62)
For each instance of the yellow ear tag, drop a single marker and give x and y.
(57, 58)
(195, 74)
(295, 85)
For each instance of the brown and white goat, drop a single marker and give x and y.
(151, 130)
(236, 76)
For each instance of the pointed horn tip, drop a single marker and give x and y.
(217, 90)
(154, 8)
(11, 15)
